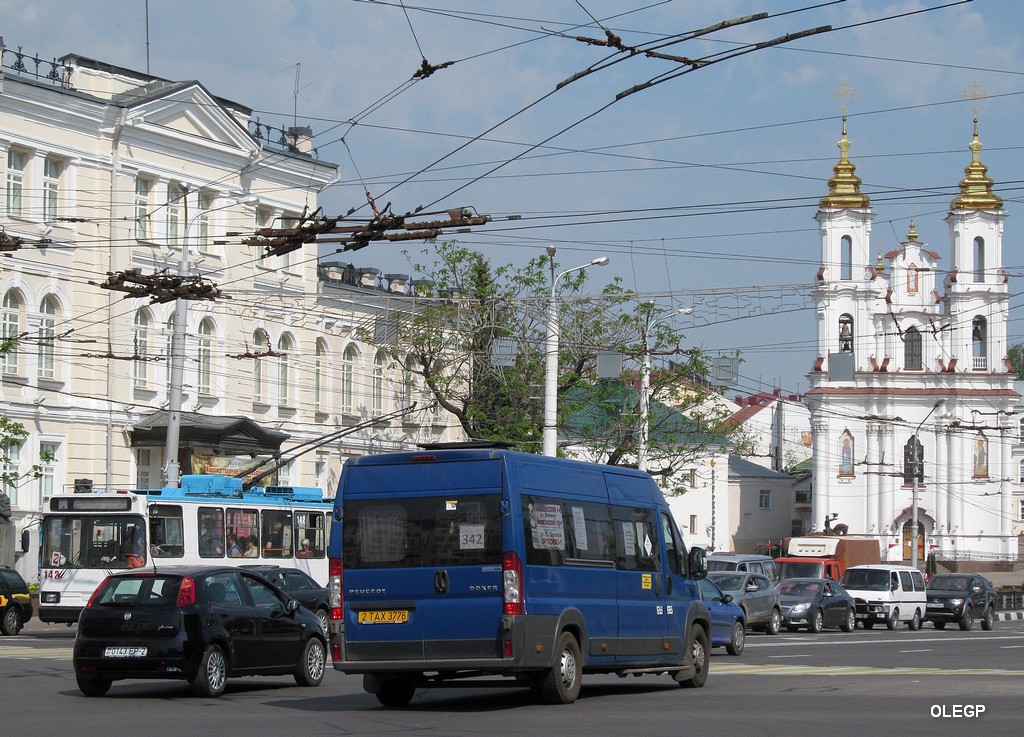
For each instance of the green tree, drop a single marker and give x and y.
(1015, 354)
(475, 337)
(13, 434)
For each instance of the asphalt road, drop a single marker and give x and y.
(865, 682)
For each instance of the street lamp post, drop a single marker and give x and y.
(916, 464)
(645, 380)
(550, 435)
(172, 469)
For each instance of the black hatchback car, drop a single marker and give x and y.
(198, 624)
(299, 585)
(15, 601)
(960, 598)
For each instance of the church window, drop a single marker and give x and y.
(980, 456)
(846, 449)
(846, 333)
(912, 349)
(846, 258)
(979, 260)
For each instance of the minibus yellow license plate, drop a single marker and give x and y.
(384, 616)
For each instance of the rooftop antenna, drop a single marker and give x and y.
(147, 36)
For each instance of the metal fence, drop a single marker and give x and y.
(1007, 601)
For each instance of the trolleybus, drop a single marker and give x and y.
(209, 519)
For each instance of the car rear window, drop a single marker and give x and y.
(138, 590)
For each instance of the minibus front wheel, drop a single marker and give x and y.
(562, 683)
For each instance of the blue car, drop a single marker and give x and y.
(728, 625)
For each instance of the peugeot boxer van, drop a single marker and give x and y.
(457, 563)
(887, 594)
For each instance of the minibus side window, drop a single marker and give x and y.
(567, 532)
(636, 539)
(674, 548)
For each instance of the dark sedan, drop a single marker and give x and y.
(960, 598)
(198, 624)
(299, 585)
(815, 603)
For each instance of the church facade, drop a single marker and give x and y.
(911, 397)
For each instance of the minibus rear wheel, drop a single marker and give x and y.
(562, 683)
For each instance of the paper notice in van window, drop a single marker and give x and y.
(471, 537)
(629, 538)
(579, 528)
(549, 528)
(451, 505)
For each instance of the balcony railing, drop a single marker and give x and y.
(33, 66)
(979, 363)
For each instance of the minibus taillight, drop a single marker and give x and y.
(187, 592)
(512, 583)
(336, 600)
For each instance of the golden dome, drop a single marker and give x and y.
(976, 188)
(844, 186)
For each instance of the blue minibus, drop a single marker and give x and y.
(447, 565)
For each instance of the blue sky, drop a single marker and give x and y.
(701, 190)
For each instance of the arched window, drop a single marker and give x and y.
(140, 338)
(285, 345)
(378, 384)
(846, 258)
(403, 397)
(47, 349)
(980, 452)
(348, 373)
(10, 329)
(979, 260)
(979, 347)
(319, 378)
(913, 459)
(846, 450)
(912, 279)
(912, 349)
(205, 356)
(846, 333)
(261, 344)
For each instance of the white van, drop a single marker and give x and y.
(887, 593)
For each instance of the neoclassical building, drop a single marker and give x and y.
(111, 177)
(911, 394)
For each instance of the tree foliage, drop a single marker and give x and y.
(475, 334)
(1015, 354)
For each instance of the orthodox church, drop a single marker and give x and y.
(911, 397)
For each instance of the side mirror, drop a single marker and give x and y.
(292, 606)
(726, 598)
(698, 563)
(24, 540)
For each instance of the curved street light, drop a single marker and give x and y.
(550, 433)
(172, 469)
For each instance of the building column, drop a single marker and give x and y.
(873, 456)
(821, 491)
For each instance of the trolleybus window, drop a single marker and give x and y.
(94, 540)
(211, 532)
(277, 534)
(166, 533)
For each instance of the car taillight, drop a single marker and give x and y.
(336, 600)
(187, 592)
(512, 583)
(95, 594)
